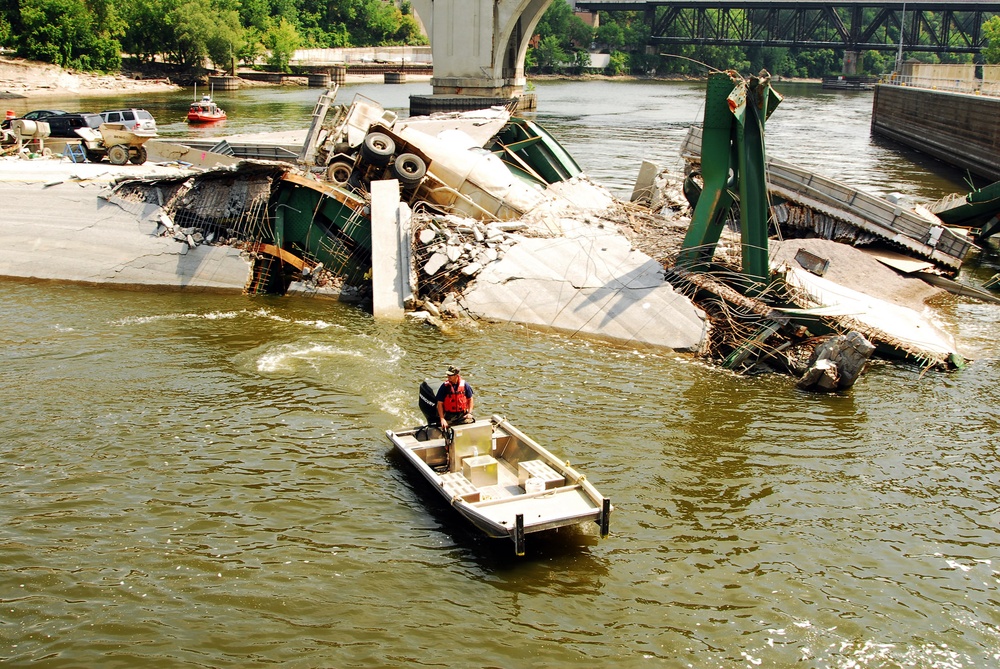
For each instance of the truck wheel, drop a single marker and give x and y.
(140, 156)
(118, 154)
(339, 173)
(93, 156)
(378, 149)
(409, 169)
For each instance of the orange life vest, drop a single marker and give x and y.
(455, 400)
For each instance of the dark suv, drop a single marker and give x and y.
(65, 125)
(33, 116)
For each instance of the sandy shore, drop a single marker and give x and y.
(30, 79)
(23, 79)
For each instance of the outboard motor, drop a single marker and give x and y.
(428, 403)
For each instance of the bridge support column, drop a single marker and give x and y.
(851, 61)
(478, 47)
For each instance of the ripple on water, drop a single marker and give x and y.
(203, 480)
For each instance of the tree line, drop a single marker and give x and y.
(93, 35)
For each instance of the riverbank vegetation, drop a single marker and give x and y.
(93, 34)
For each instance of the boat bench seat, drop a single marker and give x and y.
(540, 470)
(456, 485)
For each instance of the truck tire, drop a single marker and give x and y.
(118, 154)
(339, 173)
(140, 156)
(377, 149)
(409, 169)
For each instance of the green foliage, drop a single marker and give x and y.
(255, 14)
(192, 26)
(549, 53)
(6, 33)
(90, 34)
(991, 31)
(281, 41)
(253, 47)
(188, 32)
(618, 64)
(559, 21)
(816, 63)
(226, 39)
(67, 33)
(530, 61)
(148, 31)
(610, 35)
(343, 23)
(409, 32)
(560, 33)
(580, 61)
(877, 62)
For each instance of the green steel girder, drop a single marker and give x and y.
(530, 150)
(733, 161)
(328, 225)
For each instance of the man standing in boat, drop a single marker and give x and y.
(455, 400)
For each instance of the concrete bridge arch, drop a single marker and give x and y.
(479, 46)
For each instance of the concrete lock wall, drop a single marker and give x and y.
(928, 74)
(958, 128)
(991, 80)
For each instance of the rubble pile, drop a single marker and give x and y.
(449, 251)
(222, 206)
(837, 363)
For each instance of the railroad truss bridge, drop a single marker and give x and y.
(852, 25)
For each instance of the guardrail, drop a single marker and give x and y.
(970, 87)
(410, 55)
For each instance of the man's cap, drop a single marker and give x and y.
(453, 370)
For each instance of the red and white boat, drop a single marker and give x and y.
(205, 111)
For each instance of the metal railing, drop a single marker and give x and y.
(968, 86)
(360, 55)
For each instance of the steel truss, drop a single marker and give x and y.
(940, 27)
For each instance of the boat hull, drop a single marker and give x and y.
(202, 118)
(502, 482)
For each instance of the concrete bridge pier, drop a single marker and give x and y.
(478, 47)
(851, 61)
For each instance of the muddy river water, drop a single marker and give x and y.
(198, 480)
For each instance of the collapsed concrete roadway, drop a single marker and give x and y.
(586, 279)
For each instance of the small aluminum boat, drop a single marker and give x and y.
(501, 481)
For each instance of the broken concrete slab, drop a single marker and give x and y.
(69, 233)
(160, 150)
(881, 322)
(837, 363)
(645, 183)
(593, 284)
(858, 270)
